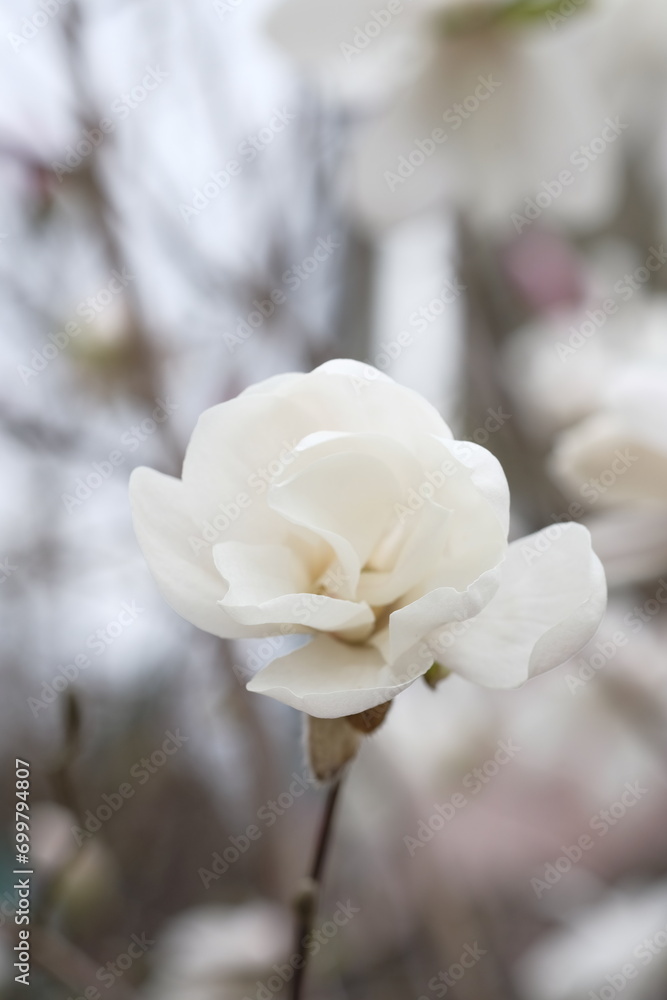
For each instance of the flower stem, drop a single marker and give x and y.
(307, 904)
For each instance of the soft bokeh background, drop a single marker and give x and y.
(137, 267)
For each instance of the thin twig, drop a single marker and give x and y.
(307, 905)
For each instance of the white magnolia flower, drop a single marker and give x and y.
(611, 948)
(561, 367)
(483, 104)
(336, 504)
(220, 953)
(615, 463)
(592, 384)
(620, 451)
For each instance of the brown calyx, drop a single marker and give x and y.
(368, 721)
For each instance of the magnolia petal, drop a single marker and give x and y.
(236, 450)
(395, 455)
(477, 539)
(550, 603)
(486, 475)
(425, 537)
(348, 500)
(240, 447)
(631, 543)
(487, 165)
(379, 191)
(327, 40)
(411, 625)
(352, 369)
(410, 541)
(259, 573)
(350, 396)
(329, 679)
(270, 584)
(613, 467)
(639, 397)
(188, 581)
(469, 482)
